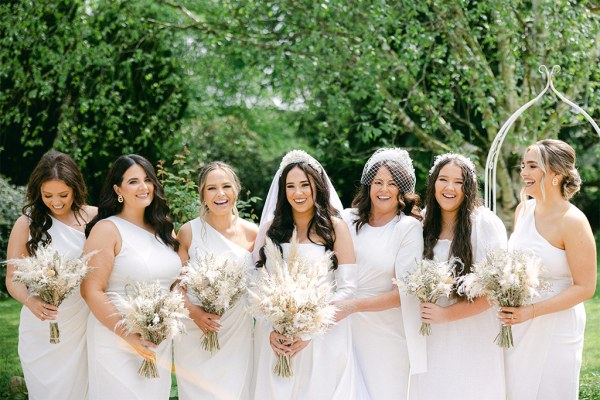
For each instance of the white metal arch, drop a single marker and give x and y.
(492, 158)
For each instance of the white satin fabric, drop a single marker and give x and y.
(57, 371)
(113, 363)
(224, 373)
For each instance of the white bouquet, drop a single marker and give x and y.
(51, 276)
(153, 313)
(508, 279)
(217, 282)
(429, 282)
(294, 296)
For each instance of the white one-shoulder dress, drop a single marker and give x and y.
(113, 363)
(384, 346)
(324, 370)
(463, 361)
(224, 373)
(57, 371)
(546, 358)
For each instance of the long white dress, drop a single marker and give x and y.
(57, 371)
(326, 369)
(463, 360)
(380, 338)
(546, 358)
(225, 373)
(113, 363)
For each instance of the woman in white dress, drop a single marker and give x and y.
(134, 236)
(462, 359)
(55, 214)
(548, 334)
(224, 373)
(302, 198)
(388, 241)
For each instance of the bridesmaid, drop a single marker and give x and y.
(301, 197)
(55, 213)
(463, 361)
(388, 240)
(224, 373)
(134, 236)
(548, 335)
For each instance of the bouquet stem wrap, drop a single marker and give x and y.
(429, 282)
(51, 276)
(294, 296)
(218, 282)
(507, 279)
(151, 312)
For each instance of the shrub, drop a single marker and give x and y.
(13, 198)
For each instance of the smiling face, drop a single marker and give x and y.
(57, 196)
(299, 189)
(219, 192)
(136, 188)
(534, 175)
(449, 187)
(384, 192)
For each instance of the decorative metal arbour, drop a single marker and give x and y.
(492, 158)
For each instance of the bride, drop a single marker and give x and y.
(301, 197)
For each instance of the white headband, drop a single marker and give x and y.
(454, 156)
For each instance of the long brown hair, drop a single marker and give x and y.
(408, 203)
(54, 165)
(461, 246)
(157, 214)
(321, 223)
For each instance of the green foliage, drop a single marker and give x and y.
(95, 80)
(10, 367)
(181, 190)
(428, 76)
(13, 199)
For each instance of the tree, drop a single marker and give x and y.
(430, 76)
(93, 79)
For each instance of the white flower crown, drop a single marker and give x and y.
(298, 156)
(454, 156)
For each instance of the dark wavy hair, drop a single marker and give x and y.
(461, 246)
(54, 165)
(321, 223)
(157, 214)
(407, 202)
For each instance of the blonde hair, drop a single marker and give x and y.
(203, 175)
(558, 157)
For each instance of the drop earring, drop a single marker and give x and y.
(555, 181)
(120, 198)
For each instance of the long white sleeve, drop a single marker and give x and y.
(346, 278)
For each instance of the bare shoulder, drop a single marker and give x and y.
(104, 230)
(339, 225)
(22, 224)
(184, 235)
(574, 222)
(518, 212)
(89, 212)
(19, 235)
(249, 228)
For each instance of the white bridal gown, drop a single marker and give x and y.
(382, 342)
(57, 371)
(325, 369)
(463, 360)
(546, 358)
(224, 373)
(113, 363)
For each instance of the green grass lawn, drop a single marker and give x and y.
(10, 366)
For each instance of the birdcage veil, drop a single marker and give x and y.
(404, 174)
(292, 157)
